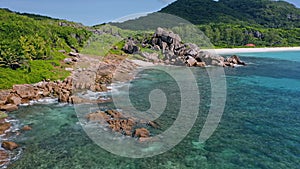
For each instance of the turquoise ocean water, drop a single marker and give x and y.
(260, 126)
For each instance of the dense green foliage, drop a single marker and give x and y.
(267, 13)
(29, 47)
(39, 70)
(232, 35)
(108, 39)
(29, 37)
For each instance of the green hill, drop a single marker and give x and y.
(267, 13)
(230, 23)
(29, 47)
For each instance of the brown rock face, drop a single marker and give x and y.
(3, 127)
(9, 107)
(26, 91)
(14, 99)
(141, 132)
(117, 122)
(4, 158)
(64, 95)
(98, 116)
(4, 94)
(26, 128)
(9, 145)
(201, 64)
(235, 60)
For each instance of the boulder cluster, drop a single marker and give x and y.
(118, 122)
(7, 147)
(20, 94)
(175, 52)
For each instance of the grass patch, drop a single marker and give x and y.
(37, 71)
(100, 45)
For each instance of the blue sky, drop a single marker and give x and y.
(89, 12)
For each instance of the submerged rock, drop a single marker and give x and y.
(234, 60)
(26, 128)
(141, 132)
(3, 127)
(9, 145)
(9, 107)
(117, 122)
(4, 158)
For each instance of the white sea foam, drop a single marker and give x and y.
(46, 100)
(92, 95)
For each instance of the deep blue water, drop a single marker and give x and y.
(259, 128)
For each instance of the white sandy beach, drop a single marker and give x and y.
(251, 50)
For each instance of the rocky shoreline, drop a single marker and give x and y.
(88, 73)
(91, 73)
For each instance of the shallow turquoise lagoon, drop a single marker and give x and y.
(259, 128)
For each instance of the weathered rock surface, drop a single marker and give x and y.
(130, 47)
(3, 127)
(4, 158)
(176, 52)
(234, 60)
(9, 145)
(141, 132)
(9, 107)
(26, 128)
(14, 99)
(4, 94)
(118, 122)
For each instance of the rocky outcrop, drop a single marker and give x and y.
(4, 94)
(9, 145)
(26, 128)
(9, 107)
(130, 47)
(234, 60)
(175, 52)
(4, 126)
(151, 57)
(141, 132)
(4, 158)
(166, 40)
(120, 123)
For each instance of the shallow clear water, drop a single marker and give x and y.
(259, 128)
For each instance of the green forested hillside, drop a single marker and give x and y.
(30, 43)
(238, 35)
(232, 23)
(267, 13)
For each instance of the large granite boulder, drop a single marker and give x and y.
(9, 107)
(3, 127)
(4, 94)
(235, 60)
(153, 57)
(130, 47)
(26, 92)
(176, 52)
(4, 158)
(9, 145)
(141, 132)
(14, 99)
